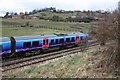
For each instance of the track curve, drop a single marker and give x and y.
(41, 58)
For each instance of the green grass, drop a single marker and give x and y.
(9, 27)
(8, 32)
(51, 14)
(61, 68)
(62, 15)
(64, 67)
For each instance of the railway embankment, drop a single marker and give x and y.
(82, 64)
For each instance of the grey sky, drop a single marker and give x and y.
(28, 5)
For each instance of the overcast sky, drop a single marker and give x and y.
(28, 5)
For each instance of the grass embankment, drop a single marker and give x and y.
(46, 14)
(9, 27)
(51, 14)
(82, 64)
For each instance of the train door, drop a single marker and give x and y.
(77, 40)
(45, 43)
(13, 45)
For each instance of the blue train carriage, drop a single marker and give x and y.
(63, 40)
(58, 40)
(26, 43)
(80, 38)
(5, 46)
(67, 39)
(29, 43)
(73, 37)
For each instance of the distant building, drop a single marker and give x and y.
(34, 16)
(16, 17)
(21, 14)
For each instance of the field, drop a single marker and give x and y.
(11, 27)
(48, 14)
(70, 66)
(81, 65)
(51, 14)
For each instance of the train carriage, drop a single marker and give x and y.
(43, 42)
(27, 43)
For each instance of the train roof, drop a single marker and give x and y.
(32, 37)
(4, 39)
(45, 36)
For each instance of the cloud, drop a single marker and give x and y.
(28, 5)
(11, 5)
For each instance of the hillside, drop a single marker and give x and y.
(18, 27)
(58, 15)
(51, 14)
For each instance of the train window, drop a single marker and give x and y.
(43, 42)
(73, 39)
(27, 44)
(61, 40)
(81, 38)
(56, 40)
(52, 41)
(67, 39)
(47, 41)
(35, 43)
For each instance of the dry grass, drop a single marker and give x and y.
(109, 62)
(82, 64)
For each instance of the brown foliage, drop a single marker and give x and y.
(107, 28)
(109, 62)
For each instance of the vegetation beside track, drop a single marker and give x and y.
(83, 64)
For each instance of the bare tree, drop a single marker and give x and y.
(108, 27)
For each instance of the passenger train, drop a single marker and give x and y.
(17, 44)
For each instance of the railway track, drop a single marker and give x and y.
(13, 64)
